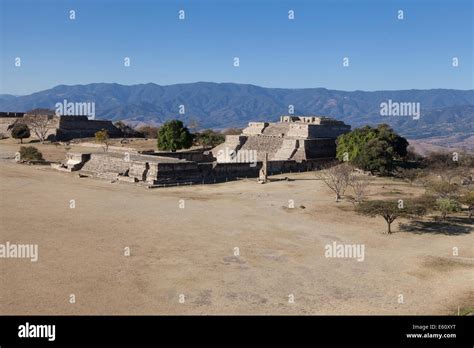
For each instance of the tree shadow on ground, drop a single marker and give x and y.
(451, 227)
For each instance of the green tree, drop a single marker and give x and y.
(20, 131)
(391, 210)
(372, 149)
(174, 136)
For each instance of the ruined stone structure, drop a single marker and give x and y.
(293, 144)
(60, 128)
(298, 138)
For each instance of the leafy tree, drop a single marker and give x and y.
(375, 156)
(446, 206)
(30, 153)
(391, 210)
(20, 131)
(102, 136)
(174, 136)
(372, 149)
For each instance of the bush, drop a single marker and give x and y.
(467, 198)
(209, 138)
(442, 189)
(410, 174)
(447, 206)
(30, 153)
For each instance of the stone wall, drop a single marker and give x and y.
(103, 163)
(61, 128)
(327, 130)
(71, 127)
(202, 155)
(255, 128)
(149, 169)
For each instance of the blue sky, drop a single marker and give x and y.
(384, 53)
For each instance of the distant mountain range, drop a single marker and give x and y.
(445, 113)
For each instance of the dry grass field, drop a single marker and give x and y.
(182, 241)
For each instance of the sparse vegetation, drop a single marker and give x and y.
(149, 132)
(447, 206)
(410, 174)
(102, 137)
(30, 153)
(468, 199)
(209, 138)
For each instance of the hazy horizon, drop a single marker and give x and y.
(235, 83)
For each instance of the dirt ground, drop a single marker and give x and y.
(182, 242)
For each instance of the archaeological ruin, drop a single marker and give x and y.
(293, 144)
(59, 128)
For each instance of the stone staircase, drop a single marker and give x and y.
(287, 150)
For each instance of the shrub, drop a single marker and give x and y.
(209, 138)
(447, 206)
(30, 153)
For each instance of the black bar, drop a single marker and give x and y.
(223, 330)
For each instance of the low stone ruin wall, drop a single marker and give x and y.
(153, 170)
(203, 155)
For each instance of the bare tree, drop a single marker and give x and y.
(336, 177)
(359, 184)
(40, 126)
